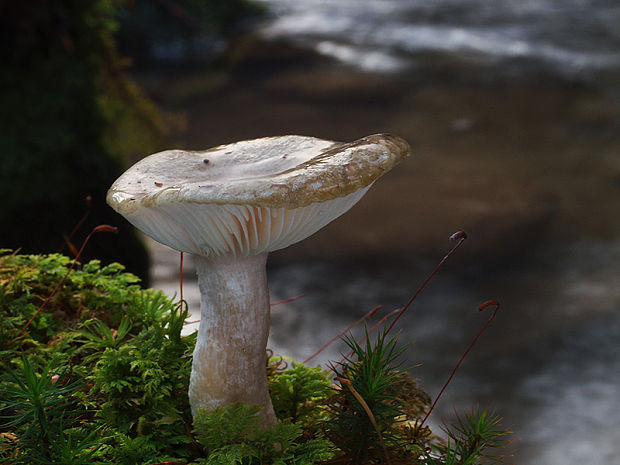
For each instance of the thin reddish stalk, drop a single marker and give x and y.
(347, 329)
(285, 301)
(370, 331)
(378, 323)
(170, 463)
(489, 303)
(181, 277)
(460, 236)
(96, 229)
(373, 329)
(89, 207)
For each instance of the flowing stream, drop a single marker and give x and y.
(572, 38)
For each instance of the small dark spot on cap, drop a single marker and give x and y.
(205, 161)
(158, 184)
(228, 153)
(285, 155)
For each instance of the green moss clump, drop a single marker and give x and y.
(101, 374)
(122, 365)
(70, 118)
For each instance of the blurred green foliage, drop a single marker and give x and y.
(71, 118)
(182, 31)
(66, 105)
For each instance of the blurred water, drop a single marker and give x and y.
(572, 38)
(548, 363)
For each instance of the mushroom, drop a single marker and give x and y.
(230, 206)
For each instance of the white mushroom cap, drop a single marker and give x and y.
(251, 196)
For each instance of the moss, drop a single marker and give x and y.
(101, 376)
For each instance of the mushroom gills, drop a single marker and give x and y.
(241, 230)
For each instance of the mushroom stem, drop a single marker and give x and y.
(229, 364)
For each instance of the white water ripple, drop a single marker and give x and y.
(570, 37)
